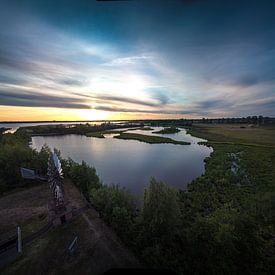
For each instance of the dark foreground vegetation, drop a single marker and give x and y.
(224, 223)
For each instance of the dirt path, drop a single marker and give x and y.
(103, 247)
(107, 243)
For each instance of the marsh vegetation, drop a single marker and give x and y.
(168, 130)
(150, 139)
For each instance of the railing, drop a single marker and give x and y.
(38, 233)
(11, 242)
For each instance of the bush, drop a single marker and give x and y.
(14, 154)
(116, 206)
(83, 176)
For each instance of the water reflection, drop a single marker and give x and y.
(181, 136)
(131, 163)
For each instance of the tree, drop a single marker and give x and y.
(84, 176)
(161, 212)
(116, 206)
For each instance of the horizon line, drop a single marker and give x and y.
(102, 120)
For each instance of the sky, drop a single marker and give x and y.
(143, 59)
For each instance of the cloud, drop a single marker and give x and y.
(159, 95)
(128, 100)
(211, 104)
(129, 110)
(11, 79)
(159, 101)
(32, 99)
(130, 60)
(247, 81)
(71, 82)
(146, 111)
(254, 79)
(259, 106)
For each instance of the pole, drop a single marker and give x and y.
(19, 240)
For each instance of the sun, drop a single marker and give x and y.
(92, 114)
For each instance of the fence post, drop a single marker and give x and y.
(19, 240)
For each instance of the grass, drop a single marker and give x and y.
(102, 133)
(27, 208)
(94, 134)
(150, 139)
(168, 130)
(145, 129)
(115, 131)
(34, 224)
(236, 134)
(37, 257)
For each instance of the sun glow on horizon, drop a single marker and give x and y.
(93, 114)
(12, 113)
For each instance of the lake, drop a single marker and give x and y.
(132, 163)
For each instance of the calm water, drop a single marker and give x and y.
(131, 163)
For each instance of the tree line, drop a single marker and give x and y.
(259, 120)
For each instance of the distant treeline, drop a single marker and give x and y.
(66, 129)
(248, 120)
(188, 122)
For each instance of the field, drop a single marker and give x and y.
(236, 133)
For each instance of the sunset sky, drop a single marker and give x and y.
(89, 60)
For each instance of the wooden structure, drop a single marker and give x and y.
(60, 210)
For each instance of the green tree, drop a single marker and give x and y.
(159, 226)
(116, 206)
(161, 211)
(83, 175)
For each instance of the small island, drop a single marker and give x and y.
(101, 134)
(168, 130)
(74, 129)
(95, 134)
(145, 129)
(150, 139)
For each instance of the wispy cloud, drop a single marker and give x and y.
(132, 110)
(129, 60)
(33, 99)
